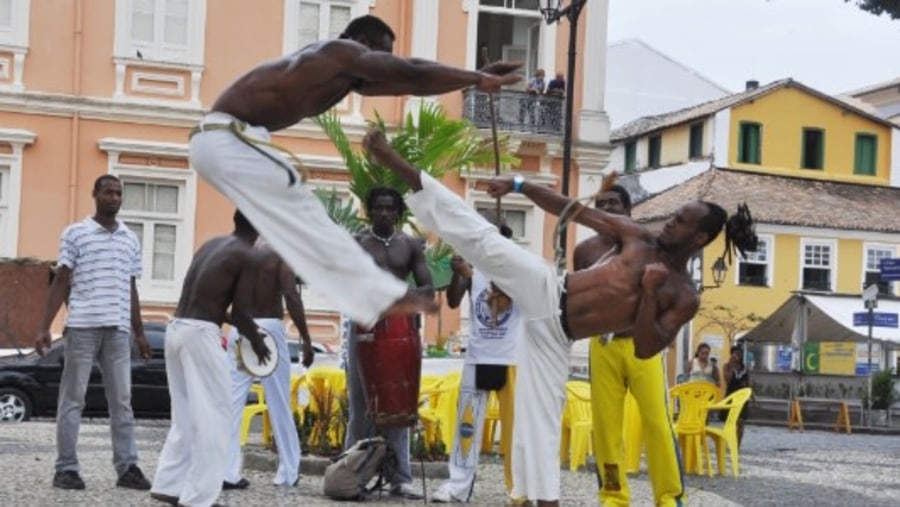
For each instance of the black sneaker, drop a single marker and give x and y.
(67, 479)
(133, 478)
(241, 484)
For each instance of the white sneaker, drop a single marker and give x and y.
(441, 496)
(406, 491)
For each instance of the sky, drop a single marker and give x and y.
(829, 45)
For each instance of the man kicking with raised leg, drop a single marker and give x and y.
(646, 287)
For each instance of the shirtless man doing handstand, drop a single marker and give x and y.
(645, 288)
(230, 149)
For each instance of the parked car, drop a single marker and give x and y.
(30, 386)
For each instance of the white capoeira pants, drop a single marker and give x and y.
(543, 362)
(292, 219)
(192, 461)
(277, 388)
(471, 412)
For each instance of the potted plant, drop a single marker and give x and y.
(883, 395)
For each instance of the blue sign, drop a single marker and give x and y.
(784, 357)
(890, 270)
(863, 368)
(879, 319)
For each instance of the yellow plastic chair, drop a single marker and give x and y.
(491, 421)
(725, 436)
(298, 390)
(632, 434)
(579, 424)
(257, 409)
(429, 381)
(437, 410)
(327, 384)
(694, 399)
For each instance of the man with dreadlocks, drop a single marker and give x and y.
(646, 287)
(401, 255)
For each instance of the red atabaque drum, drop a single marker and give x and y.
(390, 363)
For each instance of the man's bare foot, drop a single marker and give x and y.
(412, 303)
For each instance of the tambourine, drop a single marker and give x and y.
(248, 361)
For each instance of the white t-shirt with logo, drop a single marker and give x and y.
(490, 342)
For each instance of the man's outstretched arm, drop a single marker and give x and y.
(553, 202)
(382, 73)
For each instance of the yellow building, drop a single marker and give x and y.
(821, 178)
(89, 87)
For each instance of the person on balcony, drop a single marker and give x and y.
(528, 107)
(537, 84)
(557, 86)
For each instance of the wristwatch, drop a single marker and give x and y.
(518, 181)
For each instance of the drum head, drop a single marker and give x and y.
(249, 362)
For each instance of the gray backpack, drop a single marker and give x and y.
(349, 474)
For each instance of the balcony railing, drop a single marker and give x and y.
(516, 111)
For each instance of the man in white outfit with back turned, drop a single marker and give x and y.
(275, 287)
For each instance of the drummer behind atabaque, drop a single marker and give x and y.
(393, 390)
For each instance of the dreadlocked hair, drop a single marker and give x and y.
(740, 233)
(739, 230)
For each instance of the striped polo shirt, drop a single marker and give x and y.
(102, 265)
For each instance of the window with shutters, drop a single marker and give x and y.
(308, 21)
(166, 31)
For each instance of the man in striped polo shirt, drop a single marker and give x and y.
(99, 259)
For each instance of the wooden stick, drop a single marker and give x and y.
(495, 291)
(484, 57)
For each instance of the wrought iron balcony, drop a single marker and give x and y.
(516, 111)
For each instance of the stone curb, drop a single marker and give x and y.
(258, 458)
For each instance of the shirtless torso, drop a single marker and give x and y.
(279, 93)
(275, 286)
(222, 274)
(618, 284)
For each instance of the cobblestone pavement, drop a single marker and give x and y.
(777, 468)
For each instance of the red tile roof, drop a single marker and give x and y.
(784, 201)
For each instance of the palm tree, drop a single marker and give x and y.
(429, 140)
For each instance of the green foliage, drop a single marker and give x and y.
(879, 7)
(729, 319)
(437, 256)
(883, 395)
(433, 142)
(421, 449)
(345, 215)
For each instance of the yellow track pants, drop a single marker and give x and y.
(614, 370)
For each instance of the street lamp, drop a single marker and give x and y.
(553, 11)
(719, 270)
